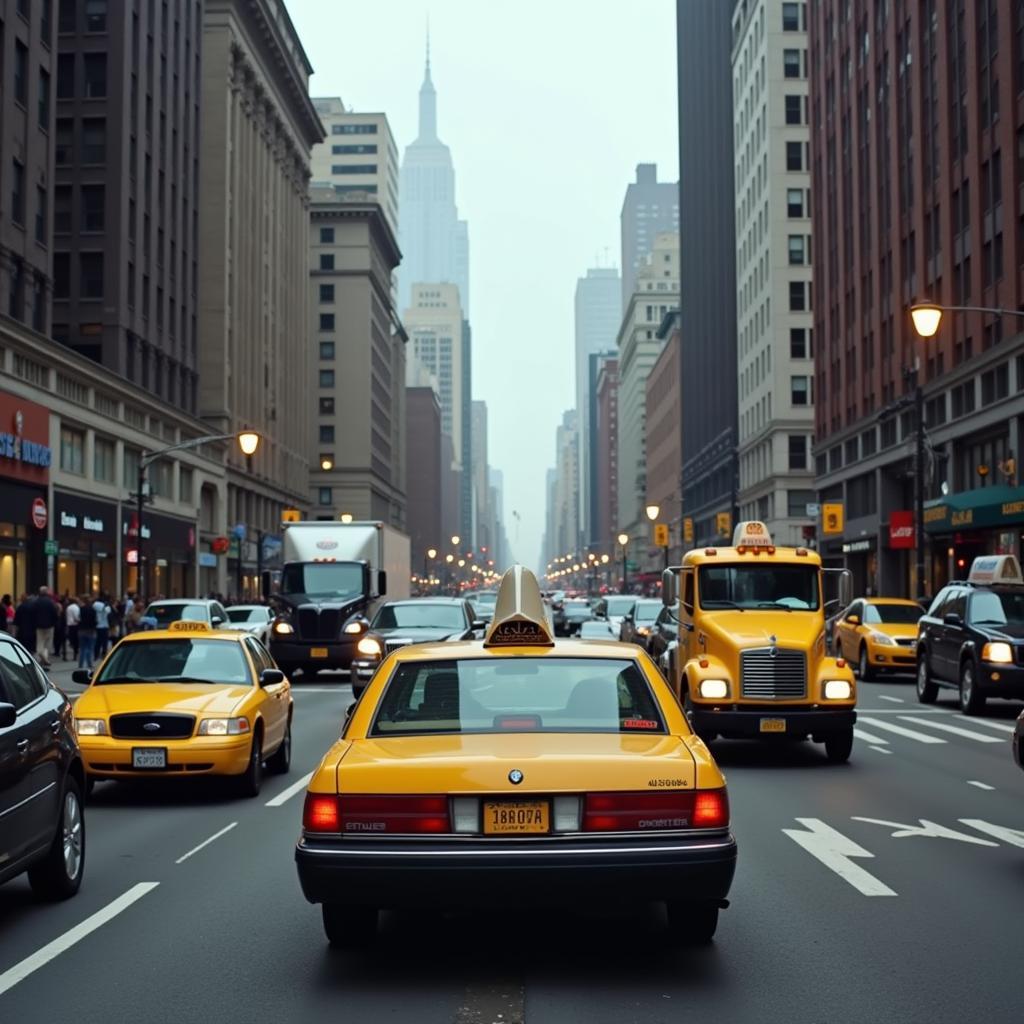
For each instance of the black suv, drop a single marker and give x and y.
(971, 639)
(42, 826)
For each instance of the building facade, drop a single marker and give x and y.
(424, 477)
(650, 208)
(359, 155)
(565, 491)
(917, 196)
(773, 268)
(708, 267)
(257, 131)
(607, 477)
(359, 435)
(664, 439)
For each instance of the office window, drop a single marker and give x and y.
(61, 275)
(794, 156)
(21, 72)
(800, 390)
(790, 17)
(363, 147)
(794, 202)
(93, 207)
(326, 349)
(67, 16)
(796, 251)
(326, 321)
(324, 496)
(794, 105)
(326, 406)
(94, 141)
(798, 343)
(17, 192)
(44, 100)
(797, 451)
(63, 150)
(62, 210)
(797, 298)
(103, 453)
(327, 261)
(327, 378)
(326, 235)
(96, 15)
(353, 129)
(72, 450)
(327, 293)
(41, 214)
(95, 75)
(326, 433)
(797, 502)
(791, 63)
(353, 169)
(185, 485)
(91, 278)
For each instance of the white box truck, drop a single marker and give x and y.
(334, 576)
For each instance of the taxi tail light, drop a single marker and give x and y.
(373, 815)
(320, 813)
(655, 812)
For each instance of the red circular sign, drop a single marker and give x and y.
(39, 514)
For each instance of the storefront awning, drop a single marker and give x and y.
(983, 508)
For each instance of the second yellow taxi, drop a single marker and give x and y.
(878, 634)
(186, 701)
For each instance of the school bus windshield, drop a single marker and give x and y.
(790, 587)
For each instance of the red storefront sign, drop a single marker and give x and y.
(24, 440)
(901, 529)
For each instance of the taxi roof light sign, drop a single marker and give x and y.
(519, 616)
(995, 569)
(188, 626)
(751, 534)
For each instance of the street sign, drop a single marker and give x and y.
(50, 547)
(723, 523)
(291, 515)
(832, 517)
(812, 510)
(661, 535)
(632, 566)
(40, 516)
(688, 530)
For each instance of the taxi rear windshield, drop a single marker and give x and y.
(184, 660)
(518, 695)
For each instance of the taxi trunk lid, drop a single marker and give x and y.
(483, 763)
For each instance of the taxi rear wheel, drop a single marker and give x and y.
(250, 780)
(864, 669)
(349, 927)
(691, 924)
(280, 761)
(839, 746)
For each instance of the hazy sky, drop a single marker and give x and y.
(547, 108)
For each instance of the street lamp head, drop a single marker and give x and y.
(346, 517)
(431, 552)
(455, 540)
(462, 563)
(623, 539)
(604, 559)
(248, 442)
(449, 559)
(926, 317)
(652, 511)
(326, 464)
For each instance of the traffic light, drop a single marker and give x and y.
(661, 535)
(832, 517)
(723, 523)
(688, 530)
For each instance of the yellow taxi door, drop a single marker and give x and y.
(274, 706)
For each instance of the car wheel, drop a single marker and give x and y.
(972, 701)
(839, 746)
(280, 761)
(349, 927)
(59, 874)
(864, 669)
(692, 924)
(927, 691)
(250, 780)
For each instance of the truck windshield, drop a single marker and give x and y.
(336, 580)
(759, 586)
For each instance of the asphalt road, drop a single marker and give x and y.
(884, 890)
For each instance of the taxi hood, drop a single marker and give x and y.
(182, 698)
(736, 629)
(481, 763)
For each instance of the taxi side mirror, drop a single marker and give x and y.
(479, 624)
(271, 677)
(669, 588)
(216, 621)
(82, 676)
(8, 715)
(853, 620)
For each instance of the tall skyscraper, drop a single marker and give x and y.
(434, 242)
(598, 314)
(650, 208)
(708, 262)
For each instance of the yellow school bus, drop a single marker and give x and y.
(752, 660)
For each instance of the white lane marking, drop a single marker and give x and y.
(980, 785)
(1001, 726)
(900, 711)
(1012, 836)
(893, 700)
(956, 730)
(286, 794)
(868, 737)
(926, 830)
(881, 750)
(41, 957)
(901, 730)
(206, 842)
(834, 850)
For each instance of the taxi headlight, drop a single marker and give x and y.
(838, 689)
(353, 627)
(90, 727)
(369, 647)
(223, 726)
(714, 689)
(880, 638)
(998, 652)
(283, 628)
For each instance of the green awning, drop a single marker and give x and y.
(985, 507)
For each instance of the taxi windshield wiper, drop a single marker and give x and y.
(722, 603)
(193, 679)
(121, 679)
(775, 604)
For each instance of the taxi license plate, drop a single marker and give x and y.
(504, 818)
(149, 757)
(773, 725)
(318, 652)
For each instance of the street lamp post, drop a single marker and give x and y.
(623, 539)
(653, 511)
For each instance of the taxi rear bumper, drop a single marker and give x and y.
(745, 723)
(391, 874)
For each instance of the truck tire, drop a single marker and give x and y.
(839, 746)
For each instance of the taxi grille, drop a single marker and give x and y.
(169, 727)
(768, 676)
(319, 623)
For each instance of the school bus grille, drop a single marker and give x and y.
(773, 673)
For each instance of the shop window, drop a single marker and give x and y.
(103, 455)
(72, 450)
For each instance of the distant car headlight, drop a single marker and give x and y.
(881, 638)
(714, 689)
(838, 689)
(223, 726)
(997, 652)
(283, 628)
(90, 727)
(353, 627)
(643, 631)
(369, 647)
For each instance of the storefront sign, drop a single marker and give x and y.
(997, 506)
(90, 523)
(207, 560)
(25, 452)
(901, 529)
(40, 515)
(856, 546)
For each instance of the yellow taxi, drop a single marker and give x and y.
(184, 701)
(516, 770)
(878, 634)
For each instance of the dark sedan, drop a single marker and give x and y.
(577, 611)
(638, 625)
(418, 620)
(42, 825)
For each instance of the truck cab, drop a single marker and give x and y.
(752, 660)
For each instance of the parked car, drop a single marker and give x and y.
(42, 781)
(254, 619)
(639, 622)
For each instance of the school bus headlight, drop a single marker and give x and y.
(714, 689)
(838, 689)
(997, 652)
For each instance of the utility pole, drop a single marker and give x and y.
(919, 480)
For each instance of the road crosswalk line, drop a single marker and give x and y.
(868, 737)
(956, 730)
(1001, 726)
(900, 730)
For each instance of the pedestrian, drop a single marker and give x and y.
(115, 618)
(71, 616)
(45, 616)
(6, 613)
(24, 627)
(102, 623)
(86, 633)
(60, 631)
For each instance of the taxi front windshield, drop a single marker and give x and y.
(750, 586)
(419, 615)
(498, 695)
(894, 614)
(997, 608)
(184, 660)
(165, 614)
